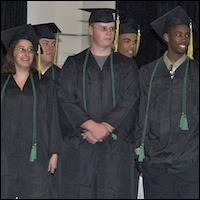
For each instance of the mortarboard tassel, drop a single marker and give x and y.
(190, 47)
(138, 41)
(39, 67)
(117, 33)
(141, 153)
(56, 53)
(33, 153)
(114, 136)
(141, 150)
(184, 122)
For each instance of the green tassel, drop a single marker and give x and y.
(184, 122)
(141, 153)
(33, 153)
(114, 136)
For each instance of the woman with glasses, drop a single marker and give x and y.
(98, 90)
(30, 131)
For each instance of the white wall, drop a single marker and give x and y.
(70, 20)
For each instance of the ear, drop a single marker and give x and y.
(166, 37)
(90, 30)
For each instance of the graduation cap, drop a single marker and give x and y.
(174, 17)
(128, 26)
(47, 30)
(20, 32)
(104, 15)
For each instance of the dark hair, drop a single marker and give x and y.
(9, 67)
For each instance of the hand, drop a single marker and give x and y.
(87, 135)
(108, 126)
(53, 163)
(137, 151)
(99, 131)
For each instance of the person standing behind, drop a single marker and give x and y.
(169, 113)
(30, 131)
(128, 45)
(98, 90)
(48, 38)
(129, 38)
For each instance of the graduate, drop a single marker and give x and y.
(98, 90)
(48, 36)
(128, 45)
(169, 113)
(30, 129)
(129, 37)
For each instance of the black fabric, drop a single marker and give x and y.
(65, 125)
(128, 26)
(53, 71)
(13, 13)
(101, 171)
(105, 169)
(160, 184)
(47, 30)
(104, 15)
(170, 19)
(165, 142)
(19, 176)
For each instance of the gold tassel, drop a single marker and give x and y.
(39, 67)
(116, 34)
(56, 53)
(138, 41)
(190, 47)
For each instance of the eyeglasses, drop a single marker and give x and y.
(23, 50)
(104, 28)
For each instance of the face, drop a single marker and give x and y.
(102, 34)
(49, 49)
(127, 44)
(178, 39)
(23, 54)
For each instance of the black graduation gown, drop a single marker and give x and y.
(53, 72)
(19, 176)
(165, 142)
(106, 169)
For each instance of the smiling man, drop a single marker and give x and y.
(169, 113)
(129, 38)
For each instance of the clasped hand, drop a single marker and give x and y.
(96, 132)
